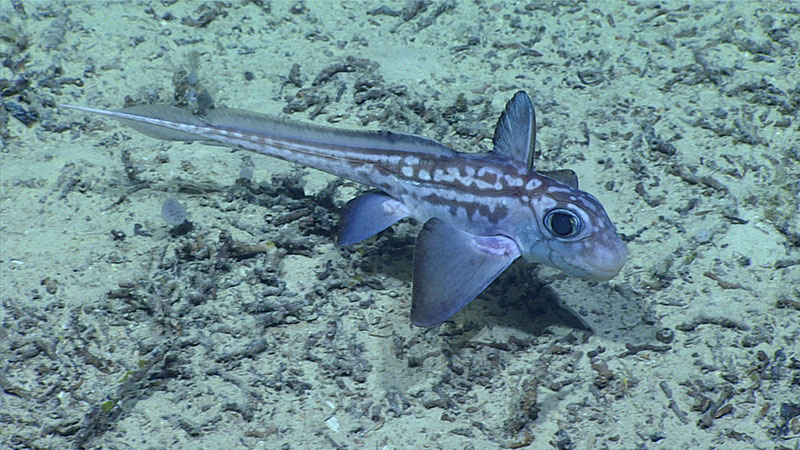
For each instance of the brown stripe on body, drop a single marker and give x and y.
(453, 206)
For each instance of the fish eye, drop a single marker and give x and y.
(562, 223)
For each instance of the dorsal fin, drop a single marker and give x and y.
(515, 133)
(379, 140)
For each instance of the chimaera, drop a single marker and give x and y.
(481, 211)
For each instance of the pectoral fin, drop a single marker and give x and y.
(367, 215)
(451, 267)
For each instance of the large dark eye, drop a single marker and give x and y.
(562, 223)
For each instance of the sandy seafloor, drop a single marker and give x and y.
(254, 330)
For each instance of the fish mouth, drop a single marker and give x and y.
(608, 262)
(605, 274)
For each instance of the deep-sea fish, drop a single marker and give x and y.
(480, 211)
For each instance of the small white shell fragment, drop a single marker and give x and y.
(333, 424)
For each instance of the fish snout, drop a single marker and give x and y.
(606, 259)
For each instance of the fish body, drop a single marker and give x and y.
(480, 211)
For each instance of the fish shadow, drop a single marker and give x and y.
(516, 299)
(519, 300)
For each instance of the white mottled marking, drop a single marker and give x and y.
(411, 160)
(533, 184)
(512, 181)
(547, 202)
